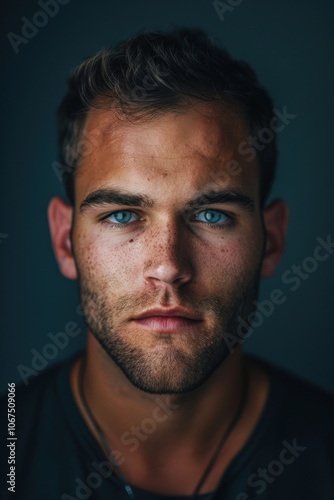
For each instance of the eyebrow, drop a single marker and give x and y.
(234, 196)
(109, 196)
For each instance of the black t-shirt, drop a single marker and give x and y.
(289, 455)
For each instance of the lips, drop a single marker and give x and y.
(176, 312)
(166, 320)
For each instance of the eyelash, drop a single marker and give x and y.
(111, 225)
(227, 224)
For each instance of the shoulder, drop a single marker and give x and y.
(39, 392)
(300, 403)
(35, 384)
(40, 429)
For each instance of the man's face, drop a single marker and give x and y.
(164, 219)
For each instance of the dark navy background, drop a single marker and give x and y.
(289, 44)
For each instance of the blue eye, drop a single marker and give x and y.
(122, 217)
(212, 216)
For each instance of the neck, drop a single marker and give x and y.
(173, 435)
(124, 412)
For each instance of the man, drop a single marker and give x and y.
(168, 233)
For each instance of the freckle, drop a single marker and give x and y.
(130, 241)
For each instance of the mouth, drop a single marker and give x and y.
(163, 320)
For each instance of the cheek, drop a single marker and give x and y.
(106, 263)
(229, 264)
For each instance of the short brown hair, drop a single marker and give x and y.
(153, 73)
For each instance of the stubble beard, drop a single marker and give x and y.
(167, 363)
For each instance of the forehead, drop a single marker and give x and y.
(184, 150)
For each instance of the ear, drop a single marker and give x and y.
(275, 220)
(60, 223)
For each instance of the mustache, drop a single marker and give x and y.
(138, 302)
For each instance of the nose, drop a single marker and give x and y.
(168, 256)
